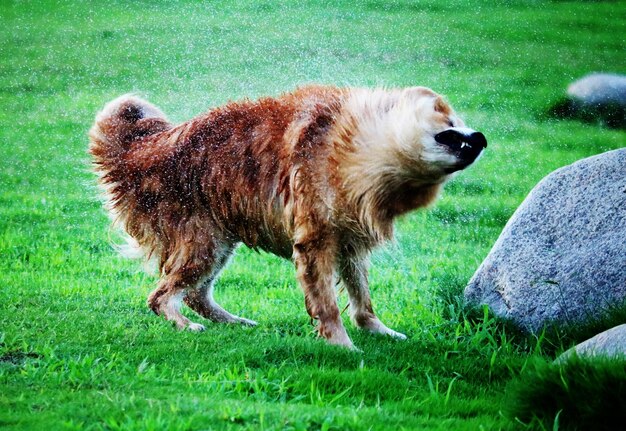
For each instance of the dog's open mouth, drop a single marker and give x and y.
(465, 144)
(459, 139)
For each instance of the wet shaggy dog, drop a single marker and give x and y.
(316, 176)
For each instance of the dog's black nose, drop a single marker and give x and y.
(477, 139)
(461, 138)
(465, 144)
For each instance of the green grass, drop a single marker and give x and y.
(78, 347)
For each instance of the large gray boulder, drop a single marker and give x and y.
(561, 258)
(609, 344)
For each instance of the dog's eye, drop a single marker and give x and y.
(450, 123)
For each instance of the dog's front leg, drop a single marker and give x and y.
(354, 276)
(315, 261)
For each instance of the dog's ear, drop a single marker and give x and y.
(442, 106)
(419, 92)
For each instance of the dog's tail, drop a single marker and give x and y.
(122, 122)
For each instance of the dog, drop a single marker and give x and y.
(317, 176)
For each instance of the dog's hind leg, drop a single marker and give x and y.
(354, 276)
(184, 270)
(200, 297)
(167, 298)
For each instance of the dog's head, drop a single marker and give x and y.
(404, 143)
(440, 144)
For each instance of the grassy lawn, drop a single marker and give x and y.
(79, 349)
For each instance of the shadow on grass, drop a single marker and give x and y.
(580, 394)
(609, 115)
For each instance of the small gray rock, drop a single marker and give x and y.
(599, 89)
(596, 97)
(610, 343)
(561, 258)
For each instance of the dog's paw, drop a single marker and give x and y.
(246, 322)
(395, 334)
(336, 335)
(375, 326)
(383, 330)
(346, 343)
(195, 327)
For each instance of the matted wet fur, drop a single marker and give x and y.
(316, 176)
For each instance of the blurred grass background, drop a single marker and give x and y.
(78, 347)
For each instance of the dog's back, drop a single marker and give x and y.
(231, 170)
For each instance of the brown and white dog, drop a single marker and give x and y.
(316, 176)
